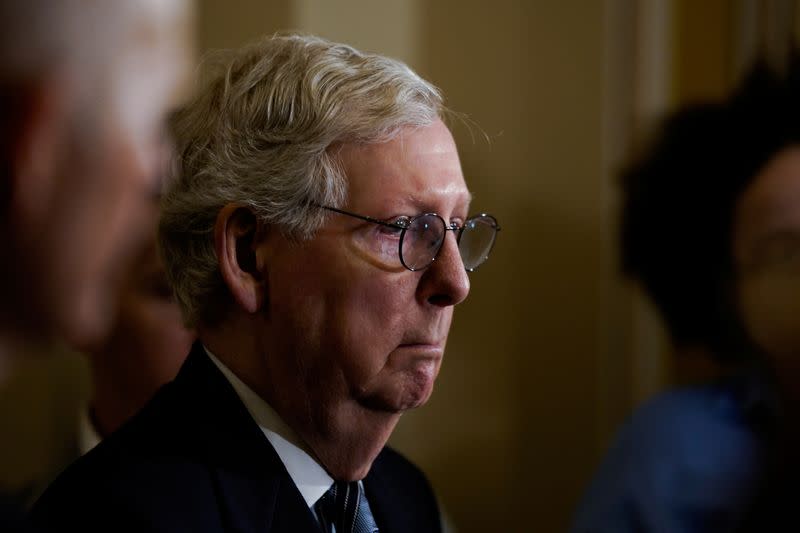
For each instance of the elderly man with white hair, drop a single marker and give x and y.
(85, 86)
(318, 237)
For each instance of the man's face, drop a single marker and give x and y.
(348, 327)
(148, 342)
(766, 244)
(84, 221)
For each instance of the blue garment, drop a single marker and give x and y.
(689, 461)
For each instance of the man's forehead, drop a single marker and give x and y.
(419, 170)
(159, 42)
(166, 11)
(444, 199)
(162, 24)
(420, 191)
(453, 193)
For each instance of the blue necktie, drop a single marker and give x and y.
(344, 509)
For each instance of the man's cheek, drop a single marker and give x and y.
(770, 308)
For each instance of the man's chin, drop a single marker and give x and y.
(409, 395)
(88, 327)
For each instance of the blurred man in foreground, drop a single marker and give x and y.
(84, 87)
(318, 238)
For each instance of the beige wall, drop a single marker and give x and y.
(227, 24)
(703, 41)
(515, 410)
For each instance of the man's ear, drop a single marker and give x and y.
(236, 235)
(34, 134)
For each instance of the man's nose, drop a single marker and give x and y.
(445, 282)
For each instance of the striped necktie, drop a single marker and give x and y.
(344, 509)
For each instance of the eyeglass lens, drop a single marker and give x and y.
(422, 241)
(425, 235)
(476, 241)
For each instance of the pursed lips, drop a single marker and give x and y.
(432, 348)
(427, 340)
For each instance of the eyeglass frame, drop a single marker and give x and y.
(447, 227)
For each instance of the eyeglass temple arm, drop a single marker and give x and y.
(394, 224)
(362, 217)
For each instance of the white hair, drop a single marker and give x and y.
(260, 132)
(40, 36)
(75, 46)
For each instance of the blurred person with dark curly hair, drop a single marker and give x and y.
(711, 229)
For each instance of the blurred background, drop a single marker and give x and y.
(552, 350)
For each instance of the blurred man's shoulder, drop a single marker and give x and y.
(688, 454)
(134, 467)
(695, 417)
(12, 520)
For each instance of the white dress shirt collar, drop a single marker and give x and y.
(310, 478)
(88, 437)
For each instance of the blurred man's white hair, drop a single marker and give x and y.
(46, 37)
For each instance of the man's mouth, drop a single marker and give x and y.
(432, 349)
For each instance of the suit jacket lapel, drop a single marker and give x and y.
(383, 497)
(255, 491)
(255, 504)
(400, 497)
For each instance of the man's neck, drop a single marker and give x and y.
(117, 394)
(344, 443)
(349, 449)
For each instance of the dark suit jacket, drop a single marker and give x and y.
(11, 519)
(194, 460)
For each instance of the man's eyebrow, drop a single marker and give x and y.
(425, 204)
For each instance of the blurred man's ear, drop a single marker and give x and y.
(236, 235)
(33, 132)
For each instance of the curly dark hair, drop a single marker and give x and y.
(679, 202)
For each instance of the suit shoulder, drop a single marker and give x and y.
(130, 491)
(11, 519)
(134, 472)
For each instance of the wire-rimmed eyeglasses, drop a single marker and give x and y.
(422, 237)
